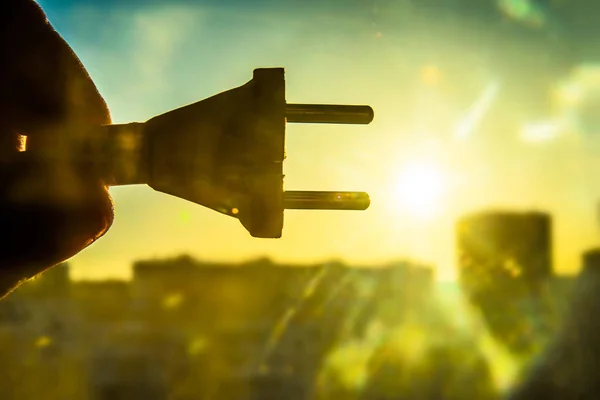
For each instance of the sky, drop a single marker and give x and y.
(477, 106)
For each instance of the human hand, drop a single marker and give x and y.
(49, 210)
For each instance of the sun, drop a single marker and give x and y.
(420, 189)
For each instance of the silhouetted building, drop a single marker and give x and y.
(505, 263)
(512, 250)
(567, 369)
(189, 329)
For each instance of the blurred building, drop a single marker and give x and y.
(505, 266)
(567, 368)
(515, 249)
(184, 329)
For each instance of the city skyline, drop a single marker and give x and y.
(324, 330)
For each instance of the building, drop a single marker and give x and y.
(566, 369)
(505, 266)
(187, 329)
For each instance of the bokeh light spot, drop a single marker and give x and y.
(431, 75)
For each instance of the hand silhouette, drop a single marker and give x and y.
(49, 210)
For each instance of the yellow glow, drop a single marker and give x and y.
(540, 131)
(263, 368)
(197, 346)
(569, 94)
(43, 341)
(185, 216)
(420, 189)
(410, 341)
(350, 363)
(504, 367)
(172, 301)
(431, 75)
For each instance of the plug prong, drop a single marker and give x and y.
(328, 114)
(312, 200)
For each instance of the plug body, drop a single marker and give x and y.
(225, 152)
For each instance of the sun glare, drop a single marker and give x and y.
(420, 188)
